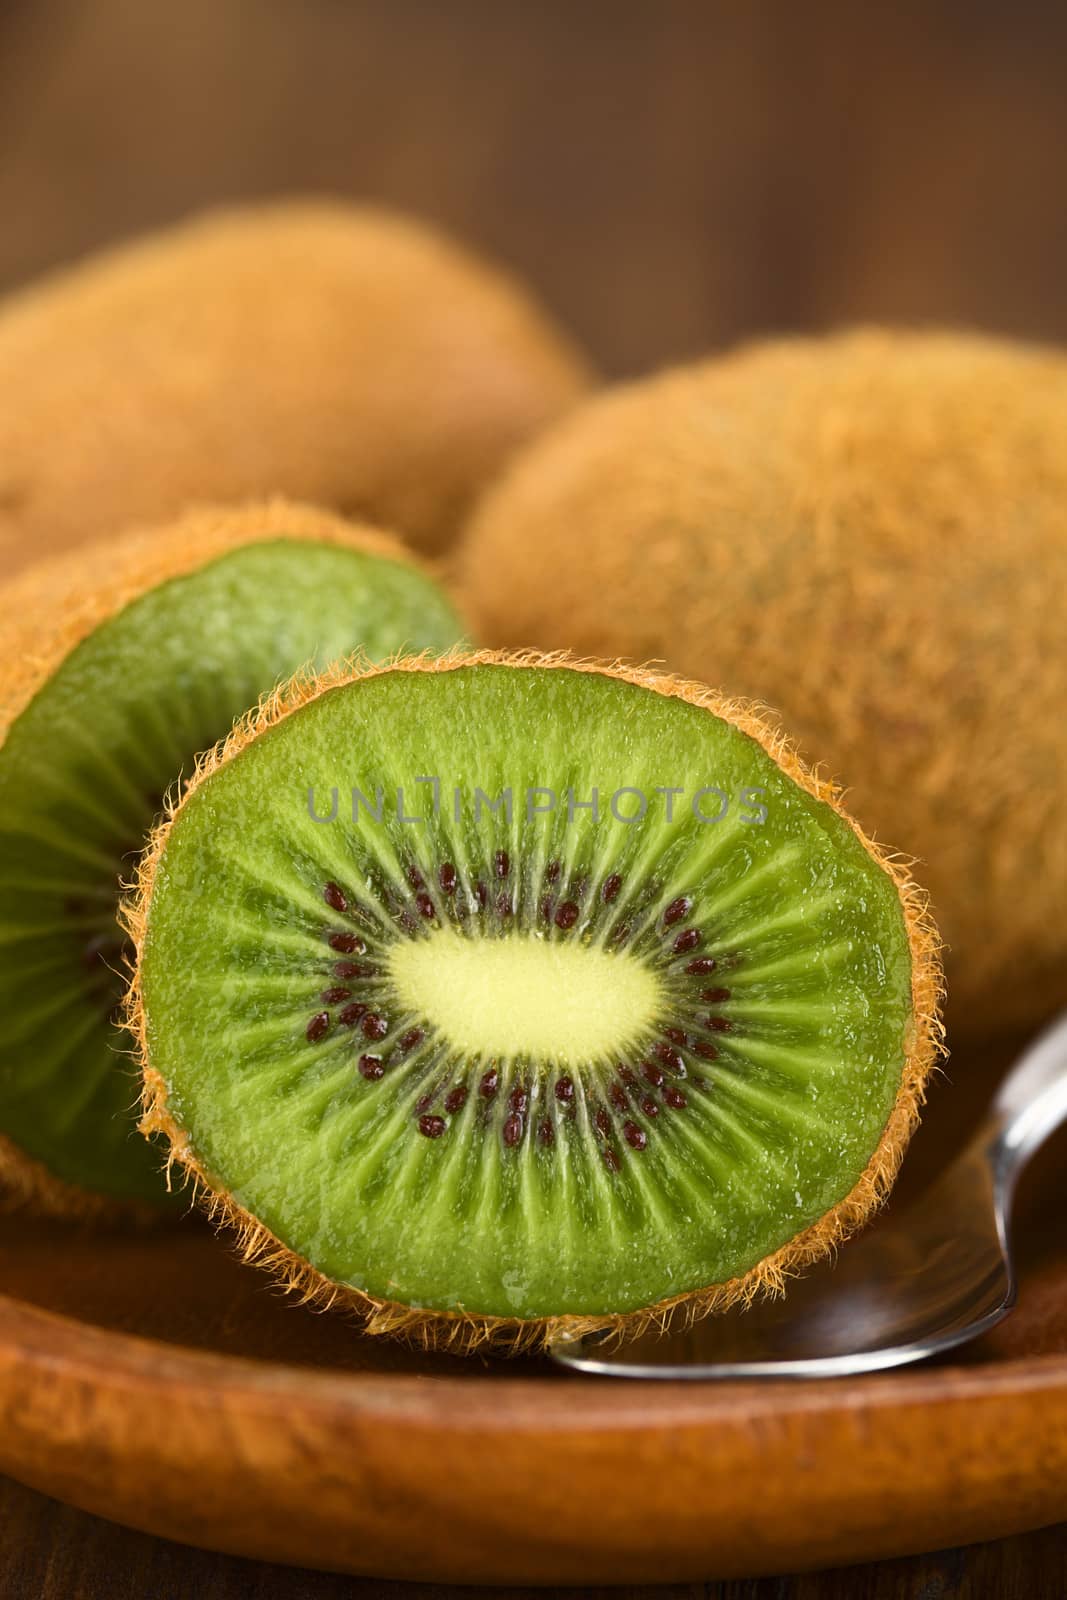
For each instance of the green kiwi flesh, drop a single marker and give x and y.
(82, 774)
(526, 1066)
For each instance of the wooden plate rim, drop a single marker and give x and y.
(53, 1340)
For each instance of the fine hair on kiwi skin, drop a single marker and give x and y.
(335, 353)
(868, 531)
(121, 662)
(559, 898)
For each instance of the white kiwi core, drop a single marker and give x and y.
(523, 996)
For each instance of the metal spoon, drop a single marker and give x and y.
(935, 1276)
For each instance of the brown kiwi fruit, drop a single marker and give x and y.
(869, 531)
(119, 663)
(339, 354)
(496, 996)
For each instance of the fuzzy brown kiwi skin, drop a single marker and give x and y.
(48, 609)
(459, 1332)
(868, 530)
(337, 353)
(27, 1186)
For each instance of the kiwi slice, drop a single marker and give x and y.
(118, 667)
(500, 994)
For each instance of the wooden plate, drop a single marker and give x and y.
(153, 1380)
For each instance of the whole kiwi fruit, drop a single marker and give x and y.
(335, 353)
(498, 996)
(118, 664)
(869, 532)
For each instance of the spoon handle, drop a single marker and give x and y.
(1030, 1104)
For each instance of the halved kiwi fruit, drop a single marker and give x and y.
(336, 353)
(117, 667)
(498, 994)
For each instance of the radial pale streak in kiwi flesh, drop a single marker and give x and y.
(532, 1066)
(82, 772)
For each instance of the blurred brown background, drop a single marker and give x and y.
(671, 174)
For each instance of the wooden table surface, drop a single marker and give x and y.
(50, 1552)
